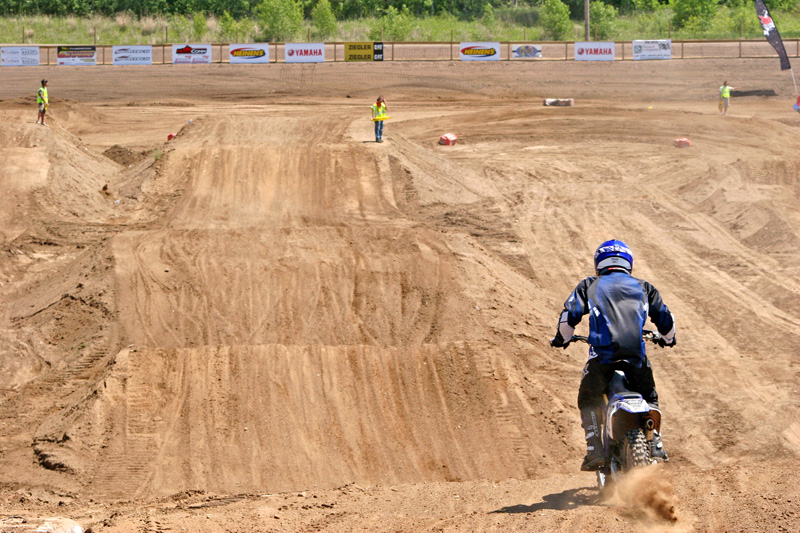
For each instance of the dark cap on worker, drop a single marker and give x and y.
(44, 81)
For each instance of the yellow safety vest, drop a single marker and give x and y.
(725, 92)
(42, 96)
(379, 110)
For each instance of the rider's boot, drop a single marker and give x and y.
(595, 455)
(657, 450)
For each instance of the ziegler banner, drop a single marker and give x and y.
(184, 54)
(661, 49)
(480, 51)
(589, 51)
(132, 55)
(304, 52)
(77, 55)
(363, 51)
(19, 56)
(248, 53)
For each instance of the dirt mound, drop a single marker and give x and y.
(124, 156)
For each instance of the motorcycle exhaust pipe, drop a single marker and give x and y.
(649, 424)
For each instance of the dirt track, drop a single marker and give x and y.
(272, 323)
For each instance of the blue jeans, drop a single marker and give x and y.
(378, 130)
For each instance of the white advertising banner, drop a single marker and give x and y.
(480, 51)
(133, 55)
(304, 52)
(526, 51)
(588, 51)
(185, 54)
(19, 56)
(248, 53)
(77, 55)
(661, 49)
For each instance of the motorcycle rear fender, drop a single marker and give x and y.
(619, 420)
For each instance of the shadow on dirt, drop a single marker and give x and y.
(562, 501)
(755, 92)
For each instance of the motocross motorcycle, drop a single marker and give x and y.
(627, 426)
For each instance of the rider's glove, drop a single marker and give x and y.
(558, 341)
(664, 344)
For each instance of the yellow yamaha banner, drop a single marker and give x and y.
(363, 51)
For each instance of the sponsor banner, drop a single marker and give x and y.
(652, 49)
(248, 53)
(589, 51)
(186, 54)
(77, 55)
(132, 55)
(304, 52)
(363, 51)
(526, 51)
(480, 51)
(19, 56)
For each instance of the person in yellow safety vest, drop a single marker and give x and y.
(724, 98)
(379, 110)
(42, 100)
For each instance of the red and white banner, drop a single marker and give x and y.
(480, 51)
(184, 54)
(304, 52)
(19, 56)
(248, 53)
(132, 55)
(589, 51)
(77, 55)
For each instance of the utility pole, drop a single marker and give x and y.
(586, 18)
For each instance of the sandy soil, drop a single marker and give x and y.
(272, 323)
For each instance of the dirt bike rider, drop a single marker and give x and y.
(618, 305)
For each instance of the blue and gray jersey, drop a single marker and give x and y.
(618, 306)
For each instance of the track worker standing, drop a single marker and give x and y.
(618, 306)
(43, 100)
(725, 98)
(379, 111)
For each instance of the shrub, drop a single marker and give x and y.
(199, 25)
(394, 25)
(602, 17)
(324, 20)
(694, 14)
(228, 26)
(279, 20)
(554, 17)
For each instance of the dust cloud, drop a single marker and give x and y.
(646, 492)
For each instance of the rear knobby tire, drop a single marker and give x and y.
(635, 450)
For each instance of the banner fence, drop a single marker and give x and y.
(263, 53)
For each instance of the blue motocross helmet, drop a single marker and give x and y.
(612, 254)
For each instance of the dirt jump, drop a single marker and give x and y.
(272, 323)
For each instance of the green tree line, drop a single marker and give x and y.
(350, 9)
(342, 9)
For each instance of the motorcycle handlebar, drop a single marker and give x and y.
(648, 335)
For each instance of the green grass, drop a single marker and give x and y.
(508, 25)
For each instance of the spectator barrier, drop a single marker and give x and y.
(52, 54)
